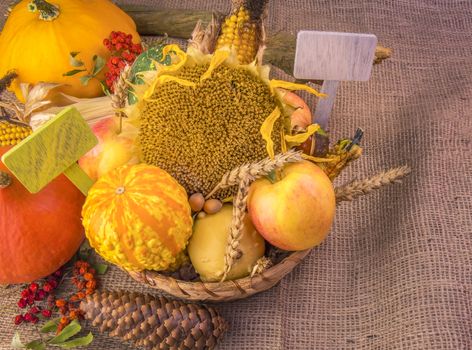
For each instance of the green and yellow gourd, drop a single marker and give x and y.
(138, 217)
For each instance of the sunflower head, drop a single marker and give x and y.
(207, 114)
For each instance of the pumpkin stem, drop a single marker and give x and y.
(5, 179)
(47, 11)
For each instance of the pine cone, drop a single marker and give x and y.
(154, 322)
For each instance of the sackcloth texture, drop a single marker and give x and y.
(396, 271)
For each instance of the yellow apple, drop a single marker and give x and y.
(207, 246)
(295, 211)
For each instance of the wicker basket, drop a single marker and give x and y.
(245, 287)
(221, 291)
(228, 290)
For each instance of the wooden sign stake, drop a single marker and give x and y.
(333, 57)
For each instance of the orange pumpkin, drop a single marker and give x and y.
(39, 36)
(38, 232)
(138, 217)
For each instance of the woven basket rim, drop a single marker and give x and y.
(221, 291)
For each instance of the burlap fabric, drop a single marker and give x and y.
(396, 271)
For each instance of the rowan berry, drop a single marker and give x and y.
(22, 303)
(33, 287)
(46, 313)
(19, 319)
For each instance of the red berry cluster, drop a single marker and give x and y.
(84, 278)
(123, 52)
(33, 294)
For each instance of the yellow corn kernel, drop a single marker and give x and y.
(239, 34)
(12, 134)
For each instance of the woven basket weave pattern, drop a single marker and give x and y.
(221, 291)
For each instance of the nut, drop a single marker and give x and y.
(212, 206)
(196, 202)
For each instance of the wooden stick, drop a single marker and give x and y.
(180, 23)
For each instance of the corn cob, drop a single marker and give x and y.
(241, 29)
(11, 133)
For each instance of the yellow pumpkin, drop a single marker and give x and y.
(138, 217)
(39, 36)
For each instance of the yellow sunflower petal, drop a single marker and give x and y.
(294, 86)
(300, 138)
(266, 131)
(162, 69)
(182, 56)
(283, 143)
(317, 159)
(166, 78)
(216, 60)
(228, 199)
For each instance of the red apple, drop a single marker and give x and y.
(295, 212)
(301, 116)
(112, 151)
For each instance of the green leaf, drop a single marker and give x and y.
(85, 245)
(85, 251)
(100, 268)
(321, 132)
(82, 341)
(69, 331)
(98, 64)
(272, 176)
(73, 72)
(74, 62)
(50, 326)
(16, 342)
(85, 79)
(36, 345)
(105, 89)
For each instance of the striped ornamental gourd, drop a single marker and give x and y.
(138, 217)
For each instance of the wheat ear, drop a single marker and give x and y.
(243, 176)
(358, 188)
(255, 170)
(120, 94)
(233, 252)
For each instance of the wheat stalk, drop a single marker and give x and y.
(233, 252)
(120, 94)
(243, 176)
(358, 188)
(256, 170)
(261, 265)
